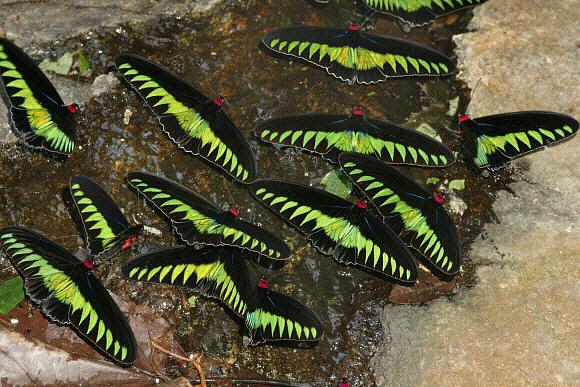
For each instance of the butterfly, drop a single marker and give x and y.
(37, 112)
(339, 228)
(195, 123)
(331, 134)
(106, 228)
(491, 142)
(353, 56)
(197, 220)
(67, 292)
(220, 272)
(418, 13)
(417, 216)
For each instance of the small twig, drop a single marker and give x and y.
(189, 360)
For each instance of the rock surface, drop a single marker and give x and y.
(519, 325)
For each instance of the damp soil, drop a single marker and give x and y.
(220, 53)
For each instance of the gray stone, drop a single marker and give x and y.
(520, 324)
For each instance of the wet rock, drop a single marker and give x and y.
(104, 83)
(519, 324)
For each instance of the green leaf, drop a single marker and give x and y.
(371, 93)
(453, 105)
(457, 184)
(61, 66)
(429, 131)
(191, 301)
(433, 180)
(336, 182)
(11, 293)
(83, 64)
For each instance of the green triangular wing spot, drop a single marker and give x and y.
(197, 220)
(353, 56)
(420, 221)
(217, 272)
(331, 134)
(37, 111)
(273, 316)
(339, 228)
(68, 293)
(194, 122)
(493, 141)
(106, 229)
(419, 12)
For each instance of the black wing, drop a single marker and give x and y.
(420, 220)
(338, 227)
(68, 293)
(37, 111)
(218, 272)
(195, 123)
(197, 220)
(331, 134)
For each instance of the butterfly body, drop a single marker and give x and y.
(356, 57)
(37, 110)
(67, 291)
(491, 142)
(331, 134)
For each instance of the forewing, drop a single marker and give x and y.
(418, 13)
(502, 137)
(337, 227)
(37, 111)
(197, 220)
(68, 293)
(421, 222)
(191, 120)
(217, 272)
(274, 316)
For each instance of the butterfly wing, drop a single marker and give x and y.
(37, 111)
(197, 220)
(420, 220)
(418, 13)
(493, 141)
(336, 226)
(106, 228)
(351, 55)
(331, 134)
(195, 123)
(274, 316)
(217, 272)
(68, 293)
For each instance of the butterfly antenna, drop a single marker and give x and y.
(365, 17)
(473, 95)
(229, 192)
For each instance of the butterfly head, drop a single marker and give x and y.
(343, 383)
(353, 27)
(73, 108)
(88, 264)
(235, 211)
(263, 283)
(357, 111)
(439, 197)
(129, 241)
(361, 204)
(219, 101)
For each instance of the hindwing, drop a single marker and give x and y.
(420, 220)
(37, 111)
(351, 55)
(67, 292)
(274, 316)
(217, 272)
(419, 12)
(493, 141)
(339, 228)
(194, 122)
(106, 228)
(197, 220)
(331, 134)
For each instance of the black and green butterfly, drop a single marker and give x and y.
(197, 220)
(491, 142)
(331, 134)
(419, 12)
(353, 56)
(37, 111)
(339, 228)
(67, 292)
(220, 272)
(417, 216)
(195, 123)
(106, 228)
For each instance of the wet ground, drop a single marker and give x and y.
(220, 54)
